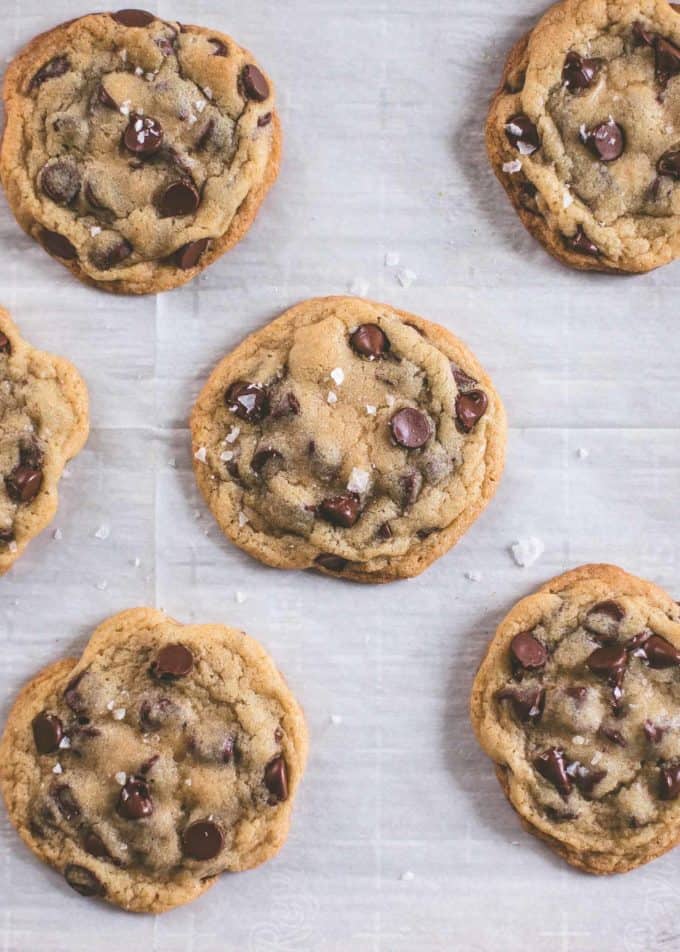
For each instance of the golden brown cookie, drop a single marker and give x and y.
(577, 702)
(166, 755)
(137, 151)
(583, 133)
(349, 437)
(43, 424)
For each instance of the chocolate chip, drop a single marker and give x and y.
(577, 692)
(610, 733)
(276, 779)
(637, 642)
(206, 135)
(264, 120)
(286, 404)
(188, 256)
(384, 531)
(659, 653)
(105, 98)
(5, 345)
(527, 705)
(58, 245)
(203, 840)
(470, 407)
(669, 164)
(463, 381)
(333, 563)
(653, 732)
(669, 782)
(47, 732)
(411, 484)
(72, 696)
(24, 483)
(527, 651)
(610, 609)
(249, 401)
(410, 428)
(343, 510)
(143, 135)
(134, 801)
(608, 662)
(83, 881)
(6, 536)
(522, 134)
(109, 255)
(56, 67)
(666, 59)
(641, 36)
(149, 764)
(253, 84)
(369, 341)
(164, 45)
(220, 48)
(94, 845)
(180, 198)
(172, 661)
(264, 456)
(551, 765)
(606, 140)
(133, 17)
(66, 802)
(585, 778)
(60, 181)
(578, 73)
(581, 243)
(153, 713)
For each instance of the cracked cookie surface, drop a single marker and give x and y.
(43, 424)
(137, 151)
(166, 755)
(584, 133)
(578, 704)
(349, 437)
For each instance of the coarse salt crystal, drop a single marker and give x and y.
(139, 125)
(233, 434)
(567, 199)
(513, 166)
(110, 705)
(201, 454)
(13, 547)
(358, 480)
(332, 397)
(120, 777)
(187, 782)
(513, 128)
(338, 375)
(118, 714)
(525, 148)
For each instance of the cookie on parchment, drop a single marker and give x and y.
(584, 135)
(578, 704)
(43, 423)
(350, 437)
(165, 755)
(136, 150)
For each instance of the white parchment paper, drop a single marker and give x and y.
(401, 840)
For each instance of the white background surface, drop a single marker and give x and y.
(382, 105)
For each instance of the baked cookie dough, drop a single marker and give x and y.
(578, 704)
(349, 437)
(166, 755)
(137, 151)
(43, 424)
(584, 133)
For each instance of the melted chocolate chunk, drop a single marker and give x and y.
(669, 782)
(606, 141)
(666, 60)
(171, 662)
(66, 801)
(527, 705)
(55, 67)
(333, 563)
(611, 734)
(470, 408)
(110, 255)
(60, 181)
(219, 48)
(202, 840)
(578, 73)
(276, 779)
(134, 18)
(83, 880)
(5, 345)
(143, 136)
(522, 134)
(180, 198)
(48, 731)
(58, 245)
(248, 401)
(528, 652)
(189, 255)
(72, 696)
(552, 766)
(134, 801)
(581, 243)
(263, 457)
(669, 164)
(369, 341)
(343, 510)
(658, 653)
(253, 84)
(24, 483)
(608, 662)
(584, 777)
(653, 732)
(94, 845)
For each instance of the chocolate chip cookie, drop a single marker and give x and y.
(43, 423)
(578, 703)
(165, 756)
(584, 135)
(349, 437)
(137, 151)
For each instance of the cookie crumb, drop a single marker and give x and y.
(102, 585)
(526, 551)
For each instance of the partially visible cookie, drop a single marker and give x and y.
(584, 135)
(43, 424)
(137, 151)
(165, 755)
(349, 437)
(577, 702)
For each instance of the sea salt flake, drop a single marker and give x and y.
(391, 259)
(389, 400)
(200, 105)
(513, 166)
(207, 92)
(125, 109)
(596, 758)
(338, 375)
(407, 876)
(578, 740)
(513, 128)
(110, 705)
(103, 532)
(118, 714)
(149, 77)
(65, 743)
(120, 777)
(192, 119)
(567, 199)
(371, 410)
(227, 455)
(582, 452)
(139, 125)
(57, 535)
(358, 480)
(473, 576)
(359, 286)
(406, 277)
(525, 148)
(336, 719)
(13, 547)
(233, 434)
(242, 519)
(95, 230)
(526, 551)
(57, 769)
(332, 397)
(139, 71)
(187, 782)
(240, 597)
(123, 55)
(103, 585)
(201, 454)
